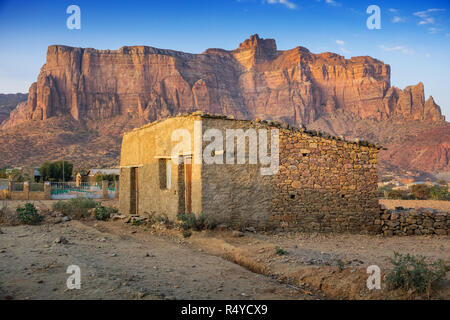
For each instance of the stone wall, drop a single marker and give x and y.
(325, 184)
(235, 194)
(421, 221)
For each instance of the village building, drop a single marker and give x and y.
(91, 176)
(320, 183)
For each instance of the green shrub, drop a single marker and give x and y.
(414, 273)
(187, 220)
(190, 221)
(28, 214)
(103, 213)
(280, 251)
(76, 208)
(204, 221)
(136, 222)
(340, 264)
(439, 193)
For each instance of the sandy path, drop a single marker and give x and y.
(120, 266)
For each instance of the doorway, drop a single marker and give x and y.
(134, 190)
(188, 183)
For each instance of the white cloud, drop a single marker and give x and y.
(433, 30)
(393, 10)
(401, 49)
(287, 3)
(426, 16)
(333, 3)
(397, 19)
(340, 42)
(426, 21)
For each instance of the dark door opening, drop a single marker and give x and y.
(134, 191)
(188, 183)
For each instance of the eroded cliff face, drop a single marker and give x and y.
(254, 80)
(85, 99)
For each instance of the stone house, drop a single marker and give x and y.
(321, 183)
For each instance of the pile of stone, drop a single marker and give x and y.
(419, 221)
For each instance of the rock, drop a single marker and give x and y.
(114, 255)
(118, 216)
(250, 229)
(222, 227)
(66, 218)
(237, 234)
(61, 240)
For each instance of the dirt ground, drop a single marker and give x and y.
(434, 204)
(121, 261)
(120, 265)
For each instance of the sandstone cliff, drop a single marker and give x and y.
(8, 102)
(103, 93)
(254, 80)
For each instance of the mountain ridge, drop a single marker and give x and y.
(255, 80)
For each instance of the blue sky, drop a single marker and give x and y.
(414, 37)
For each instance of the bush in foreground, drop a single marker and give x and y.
(413, 273)
(103, 213)
(190, 221)
(28, 214)
(76, 208)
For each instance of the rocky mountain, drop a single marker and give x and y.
(326, 91)
(8, 102)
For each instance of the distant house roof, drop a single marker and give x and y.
(93, 172)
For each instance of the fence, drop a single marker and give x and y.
(24, 191)
(68, 190)
(17, 186)
(55, 190)
(3, 184)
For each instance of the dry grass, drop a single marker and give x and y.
(7, 216)
(249, 263)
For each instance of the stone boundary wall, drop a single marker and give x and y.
(26, 194)
(420, 221)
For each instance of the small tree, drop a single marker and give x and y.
(54, 171)
(105, 177)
